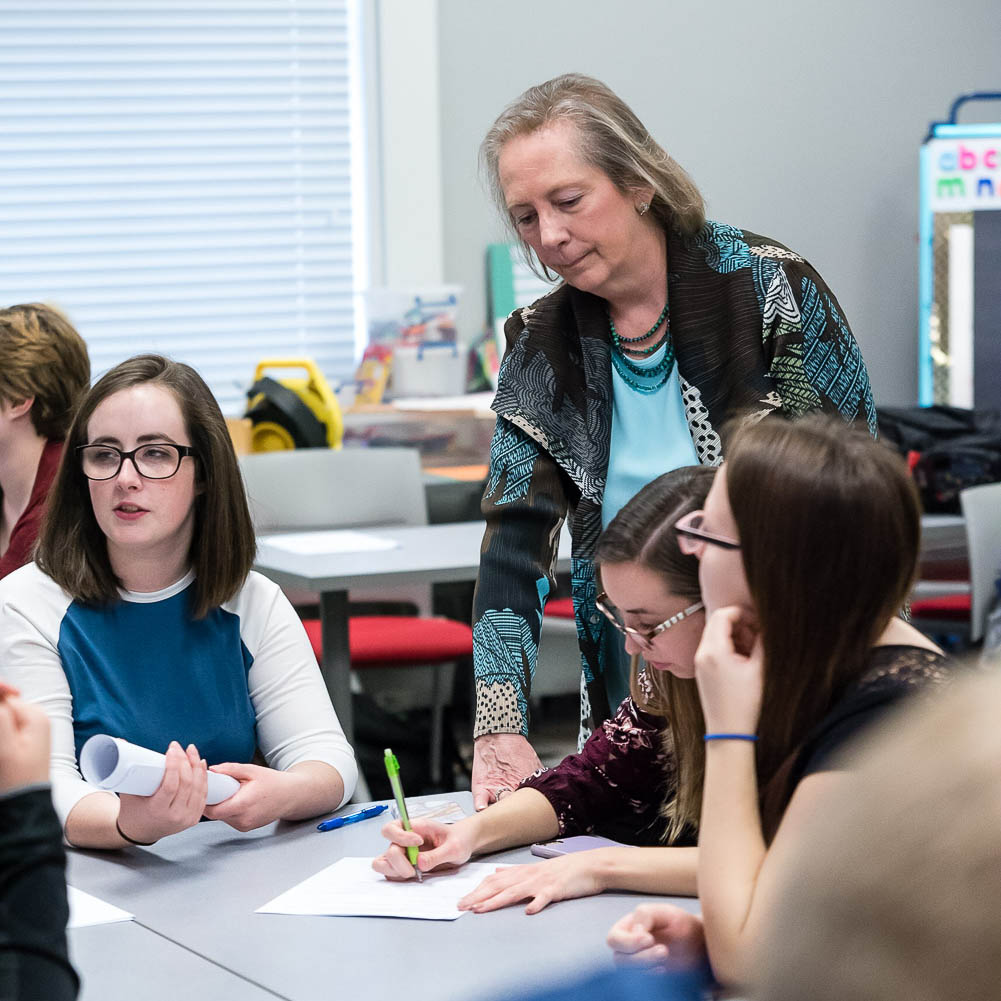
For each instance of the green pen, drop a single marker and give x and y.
(393, 771)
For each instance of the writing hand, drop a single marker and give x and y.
(438, 844)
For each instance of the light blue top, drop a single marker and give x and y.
(650, 436)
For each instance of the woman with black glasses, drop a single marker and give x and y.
(140, 618)
(622, 784)
(807, 549)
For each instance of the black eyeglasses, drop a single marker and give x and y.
(691, 534)
(646, 636)
(153, 462)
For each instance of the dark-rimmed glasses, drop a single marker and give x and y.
(645, 636)
(152, 462)
(691, 533)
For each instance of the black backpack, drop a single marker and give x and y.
(947, 448)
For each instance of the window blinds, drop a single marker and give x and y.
(177, 176)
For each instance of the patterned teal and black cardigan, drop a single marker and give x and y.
(755, 330)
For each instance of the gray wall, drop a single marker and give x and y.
(801, 121)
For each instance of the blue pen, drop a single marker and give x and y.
(352, 818)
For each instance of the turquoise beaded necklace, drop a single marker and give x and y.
(629, 371)
(619, 339)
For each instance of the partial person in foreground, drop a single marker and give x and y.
(623, 784)
(894, 891)
(665, 326)
(34, 962)
(44, 371)
(142, 619)
(807, 550)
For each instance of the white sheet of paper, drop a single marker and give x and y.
(86, 910)
(328, 543)
(351, 887)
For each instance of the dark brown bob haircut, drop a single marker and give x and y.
(830, 524)
(73, 550)
(643, 532)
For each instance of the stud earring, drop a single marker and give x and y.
(643, 208)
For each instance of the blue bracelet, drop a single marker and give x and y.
(731, 736)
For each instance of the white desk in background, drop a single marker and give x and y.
(198, 890)
(423, 554)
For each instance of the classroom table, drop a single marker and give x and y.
(198, 890)
(425, 554)
(127, 960)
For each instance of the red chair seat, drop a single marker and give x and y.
(386, 640)
(949, 608)
(560, 608)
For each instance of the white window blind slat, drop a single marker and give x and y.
(179, 177)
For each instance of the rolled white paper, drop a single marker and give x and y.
(118, 766)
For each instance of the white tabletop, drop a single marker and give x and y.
(451, 552)
(424, 554)
(199, 889)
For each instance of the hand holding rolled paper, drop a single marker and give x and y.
(116, 765)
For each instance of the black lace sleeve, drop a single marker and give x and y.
(895, 672)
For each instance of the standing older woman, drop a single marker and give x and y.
(666, 325)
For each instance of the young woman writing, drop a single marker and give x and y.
(623, 784)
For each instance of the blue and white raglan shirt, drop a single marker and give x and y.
(142, 668)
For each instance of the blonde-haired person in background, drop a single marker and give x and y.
(665, 326)
(894, 891)
(44, 371)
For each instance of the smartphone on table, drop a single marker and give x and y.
(578, 843)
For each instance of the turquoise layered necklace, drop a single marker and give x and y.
(631, 373)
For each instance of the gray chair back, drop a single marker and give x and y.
(314, 488)
(982, 513)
